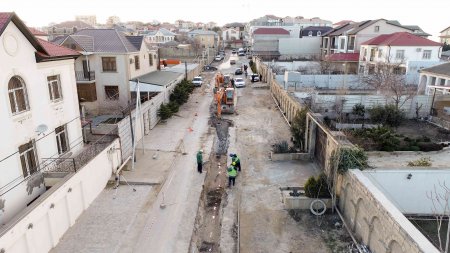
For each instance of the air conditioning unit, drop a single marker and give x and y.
(419, 50)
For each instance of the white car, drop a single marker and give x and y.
(197, 81)
(218, 58)
(239, 82)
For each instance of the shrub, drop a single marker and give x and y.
(317, 187)
(173, 106)
(350, 158)
(429, 146)
(164, 112)
(421, 162)
(414, 148)
(298, 127)
(407, 139)
(387, 115)
(281, 147)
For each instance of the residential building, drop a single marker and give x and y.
(207, 39)
(348, 37)
(406, 52)
(40, 115)
(233, 31)
(445, 36)
(88, 19)
(38, 33)
(436, 78)
(265, 41)
(110, 59)
(435, 81)
(342, 22)
(66, 28)
(159, 36)
(314, 31)
(113, 20)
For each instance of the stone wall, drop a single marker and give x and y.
(375, 220)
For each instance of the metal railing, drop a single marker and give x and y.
(85, 75)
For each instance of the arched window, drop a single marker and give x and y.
(18, 98)
(319, 33)
(310, 33)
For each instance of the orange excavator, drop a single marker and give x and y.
(225, 95)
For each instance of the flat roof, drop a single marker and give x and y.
(161, 78)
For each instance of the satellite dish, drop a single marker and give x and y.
(41, 129)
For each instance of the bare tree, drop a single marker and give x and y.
(389, 79)
(325, 66)
(441, 209)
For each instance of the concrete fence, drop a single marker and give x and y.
(39, 227)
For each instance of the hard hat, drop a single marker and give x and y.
(201, 150)
(231, 155)
(233, 163)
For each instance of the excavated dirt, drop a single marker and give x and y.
(206, 236)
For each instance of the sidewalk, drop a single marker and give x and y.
(132, 221)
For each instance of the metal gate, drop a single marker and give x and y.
(320, 147)
(125, 137)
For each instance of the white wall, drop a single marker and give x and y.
(410, 195)
(306, 46)
(20, 129)
(58, 209)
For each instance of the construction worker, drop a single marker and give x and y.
(236, 160)
(232, 173)
(200, 161)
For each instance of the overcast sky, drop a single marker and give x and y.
(430, 15)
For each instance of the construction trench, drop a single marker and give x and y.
(207, 229)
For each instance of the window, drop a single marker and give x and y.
(342, 44)
(426, 54)
(28, 158)
(377, 28)
(112, 92)
(380, 53)
(319, 33)
(150, 59)
(109, 64)
(61, 139)
(54, 88)
(17, 92)
(310, 33)
(351, 43)
(136, 62)
(400, 54)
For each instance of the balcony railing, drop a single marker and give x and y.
(85, 75)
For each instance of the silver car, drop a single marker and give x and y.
(197, 81)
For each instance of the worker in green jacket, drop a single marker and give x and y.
(232, 173)
(200, 161)
(235, 158)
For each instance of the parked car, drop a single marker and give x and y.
(238, 71)
(254, 78)
(232, 61)
(209, 68)
(241, 53)
(218, 58)
(197, 81)
(239, 82)
(233, 51)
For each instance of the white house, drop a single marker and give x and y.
(408, 52)
(110, 59)
(348, 37)
(159, 36)
(206, 38)
(436, 78)
(445, 35)
(39, 113)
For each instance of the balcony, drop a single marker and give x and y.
(85, 76)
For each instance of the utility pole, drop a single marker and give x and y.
(185, 70)
(131, 125)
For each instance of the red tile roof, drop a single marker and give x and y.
(54, 50)
(400, 39)
(278, 31)
(5, 17)
(36, 32)
(342, 22)
(344, 57)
